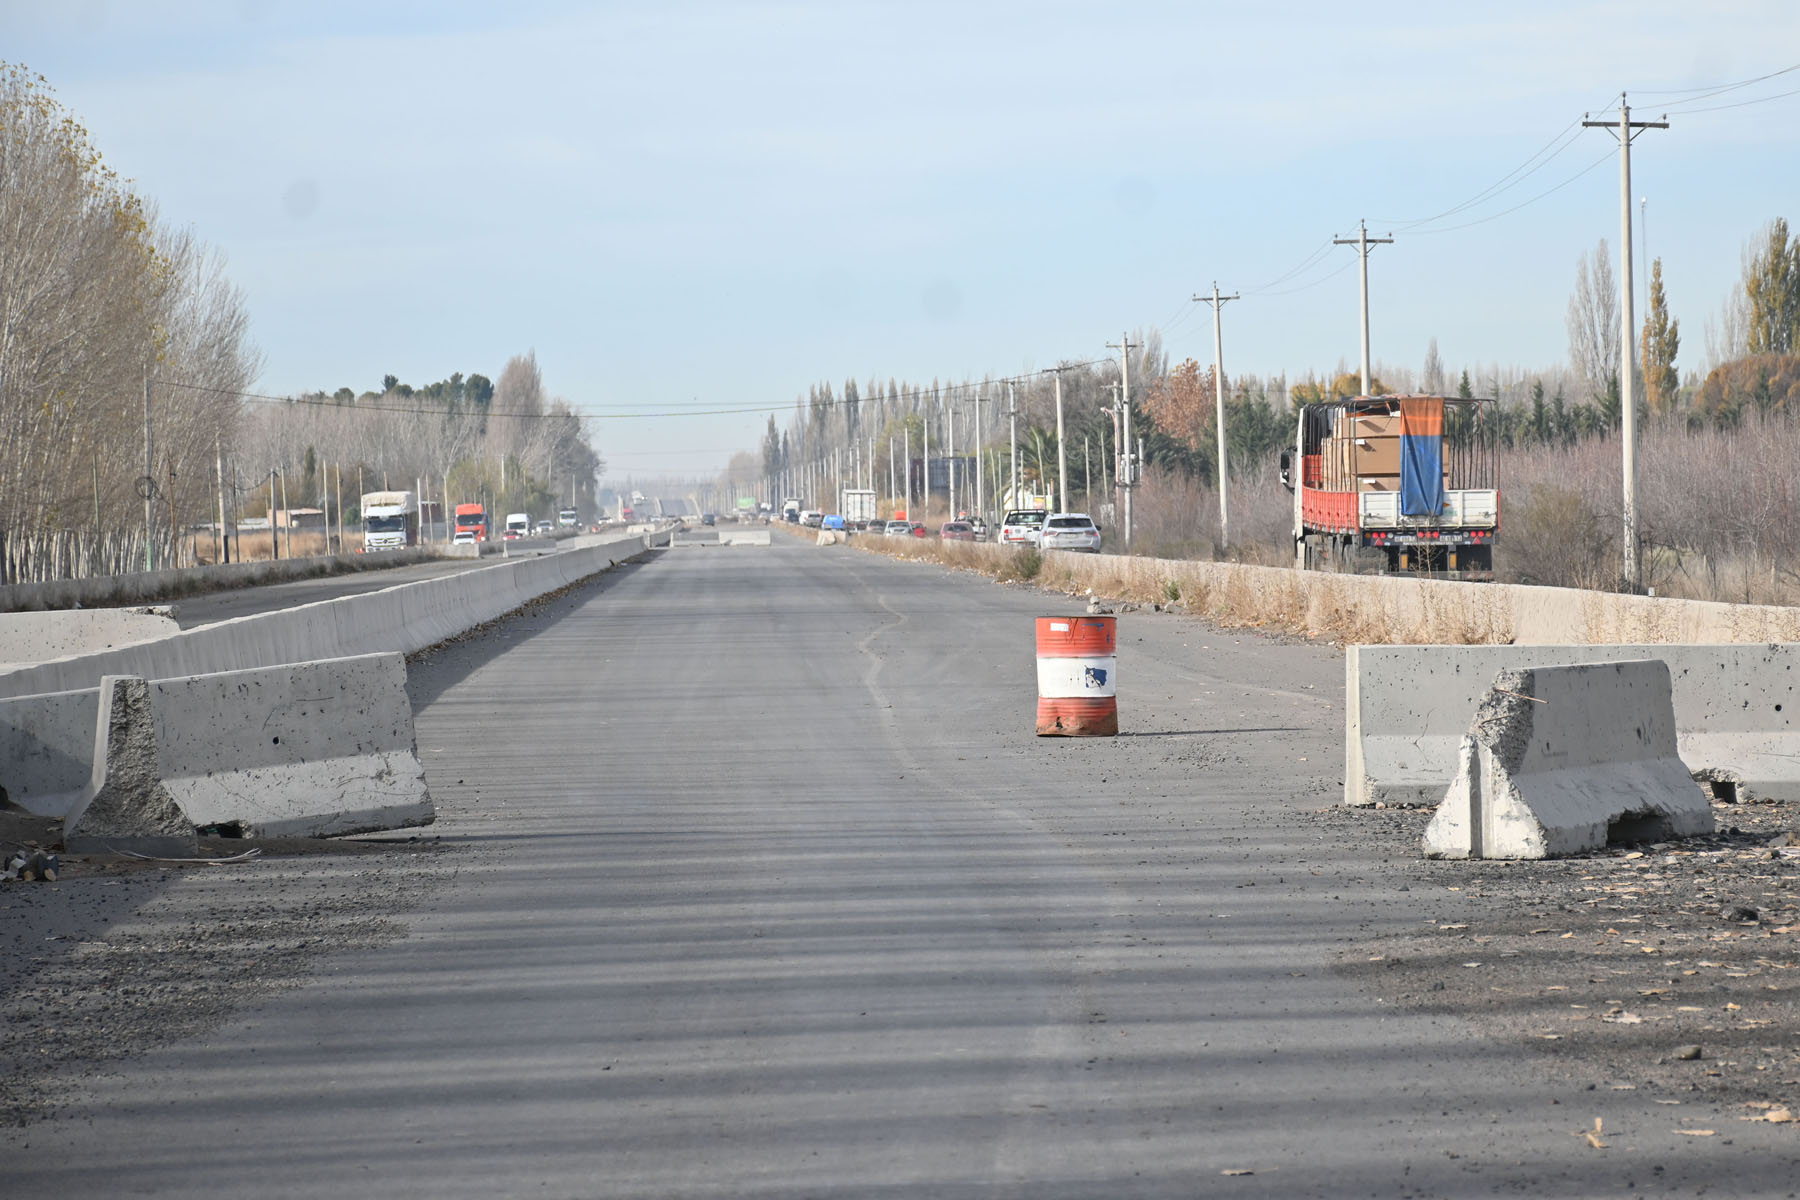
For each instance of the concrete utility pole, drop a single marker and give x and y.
(1223, 476)
(1362, 241)
(1062, 456)
(950, 453)
(149, 486)
(925, 478)
(1127, 466)
(906, 436)
(1624, 129)
(1012, 416)
(980, 494)
(224, 552)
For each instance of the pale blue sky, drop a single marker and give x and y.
(729, 201)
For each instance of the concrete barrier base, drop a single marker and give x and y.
(1561, 760)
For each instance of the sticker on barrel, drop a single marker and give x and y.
(1077, 670)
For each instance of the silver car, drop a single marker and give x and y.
(1070, 531)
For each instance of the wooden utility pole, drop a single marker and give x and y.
(1625, 129)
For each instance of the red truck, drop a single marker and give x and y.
(471, 523)
(1400, 484)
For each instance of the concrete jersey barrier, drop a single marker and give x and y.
(34, 637)
(1562, 760)
(1406, 709)
(404, 618)
(305, 750)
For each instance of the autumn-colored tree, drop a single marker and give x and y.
(1767, 383)
(1346, 386)
(1660, 342)
(1772, 284)
(1182, 403)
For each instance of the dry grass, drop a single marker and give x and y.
(199, 549)
(1340, 608)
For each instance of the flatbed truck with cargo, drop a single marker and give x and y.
(1396, 484)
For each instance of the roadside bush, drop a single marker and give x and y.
(1021, 566)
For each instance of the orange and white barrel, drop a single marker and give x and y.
(1077, 670)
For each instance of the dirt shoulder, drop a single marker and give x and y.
(1672, 968)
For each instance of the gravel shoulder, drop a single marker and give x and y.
(1671, 967)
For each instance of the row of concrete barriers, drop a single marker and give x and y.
(405, 618)
(1407, 709)
(288, 722)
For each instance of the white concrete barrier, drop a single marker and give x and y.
(1561, 760)
(1407, 708)
(34, 637)
(306, 750)
(744, 537)
(47, 749)
(151, 587)
(404, 618)
(303, 750)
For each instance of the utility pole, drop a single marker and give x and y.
(224, 552)
(1127, 471)
(1062, 454)
(925, 476)
(1223, 476)
(950, 453)
(1012, 416)
(149, 485)
(1625, 129)
(1362, 241)
(906, 457)
(980, 494)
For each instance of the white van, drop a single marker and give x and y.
(518, 525)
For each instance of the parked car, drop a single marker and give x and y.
(1021, 526)
(897, 529)
(831, 521)
(812, 518)
(957, 531)
(1070, 531)
(919, 530)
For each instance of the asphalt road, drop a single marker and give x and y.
(766, 890)
(242, 602)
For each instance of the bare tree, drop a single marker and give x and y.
(1594, 322)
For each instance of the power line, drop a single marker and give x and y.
(1719, 89)
(1522, 204)
(1684, 112)
(1548, 152)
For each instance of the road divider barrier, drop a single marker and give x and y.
(1077, 671)
(302, 750)
(1406, 709)
(1561, 760)
(405, 618)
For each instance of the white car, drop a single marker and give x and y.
(897, 529)
(1070, 531)
(1020, 527)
